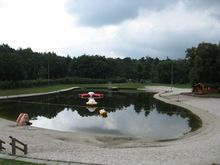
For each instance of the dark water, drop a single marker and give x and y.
(129, 113)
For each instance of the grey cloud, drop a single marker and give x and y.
(172, 44)
(203, 4)
(162, 40)
(101, 12)
(212, 6)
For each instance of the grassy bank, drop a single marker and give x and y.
(130, 85)
(8, 92)
(15, 162)
(213, 95)
(119, 85)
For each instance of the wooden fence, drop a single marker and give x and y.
(1, 146)
(14, 146)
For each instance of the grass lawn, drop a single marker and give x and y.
(8, 92)
(174, 85)
(15, 162)
(131, 85)
(213, 95)
(119, 85)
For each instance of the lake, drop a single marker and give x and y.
(129, 113)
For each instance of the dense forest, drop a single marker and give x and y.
(201, 64)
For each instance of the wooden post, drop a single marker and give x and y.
(25, 149)
(1, 147)
(13, 149)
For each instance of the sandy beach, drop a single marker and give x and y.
(201, 147)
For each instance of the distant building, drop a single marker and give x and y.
(204, 88)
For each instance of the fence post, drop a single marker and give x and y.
(25, 149)
(13, 146)
(1, 147)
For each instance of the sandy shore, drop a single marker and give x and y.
(199, 148)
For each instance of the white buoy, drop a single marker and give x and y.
(91, 94)
(91, 101)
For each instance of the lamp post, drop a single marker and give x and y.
(48, 71)
(171, 77)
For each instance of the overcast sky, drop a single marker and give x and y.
(114, 28)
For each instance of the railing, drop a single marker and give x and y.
(14, 147)
(1, 147)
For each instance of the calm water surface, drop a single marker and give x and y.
(129, 113)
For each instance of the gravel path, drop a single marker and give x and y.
(199, 148)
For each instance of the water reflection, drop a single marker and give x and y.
(125, 122)
(131, 114)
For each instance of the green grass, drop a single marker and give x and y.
(15, 162)
(131, 85)
(212, 95)
(8, 92)
(174, 85)
(119, 85)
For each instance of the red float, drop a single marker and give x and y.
(91, 95)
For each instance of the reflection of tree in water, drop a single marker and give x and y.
(194, 121)
(50, 106)
(12, 109)
(143, 102)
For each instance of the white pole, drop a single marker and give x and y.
(172, 77)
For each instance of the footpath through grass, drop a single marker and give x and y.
(8, 92)
(15, 162)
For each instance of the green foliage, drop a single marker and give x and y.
(17, 91)
(204, 63)
(17, 66)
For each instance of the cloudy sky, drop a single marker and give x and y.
(114, 28)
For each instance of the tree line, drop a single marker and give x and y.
(201, 64)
